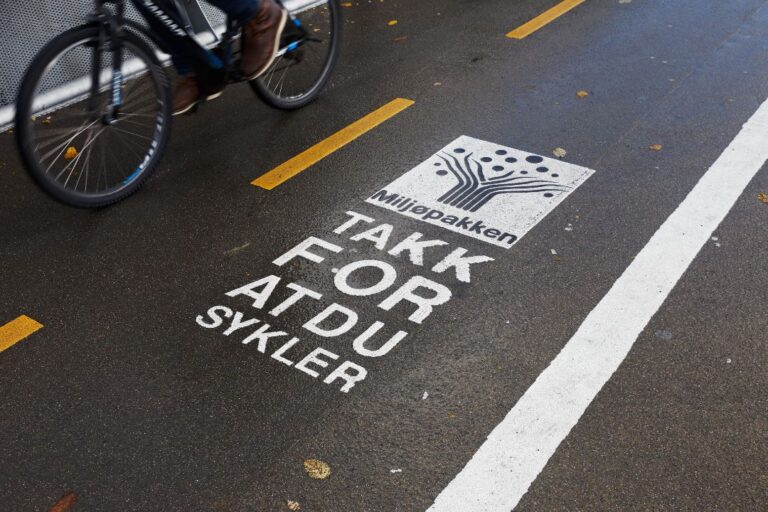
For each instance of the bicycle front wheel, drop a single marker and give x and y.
(72, 140)
(304, 63)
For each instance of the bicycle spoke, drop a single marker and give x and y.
(64, 146)
(77, 158)
(128, 132)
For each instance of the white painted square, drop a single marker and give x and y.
(483, 190)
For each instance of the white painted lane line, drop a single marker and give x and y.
(504, 467)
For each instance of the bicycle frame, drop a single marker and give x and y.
(213, 67)
(170, 31)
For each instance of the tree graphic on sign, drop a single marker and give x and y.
(476, 185)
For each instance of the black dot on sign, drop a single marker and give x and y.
(442, 172)
(534, 159)
(542, 169)
(501, 152)
(555, 175)
(523, 172)
(486, 159)
(510, 159)
(437, 164)
(498, 167)
(549, 194)
(459, 150)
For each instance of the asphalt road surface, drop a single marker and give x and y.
(172, 373)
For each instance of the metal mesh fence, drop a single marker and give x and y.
(25, 27)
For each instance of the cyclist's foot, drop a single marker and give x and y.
(262, 38)
(187, 94)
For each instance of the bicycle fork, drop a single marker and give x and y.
(110, 39)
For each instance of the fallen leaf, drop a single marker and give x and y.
(655, 147)
(317, 469)
(392, 22)
(582, 94)
(64, 503)
(47, 120)
(401, 38)
(70, 153)
(762, 197)
(559, 152)
(344, 4)
(294, 505)
(438, 84)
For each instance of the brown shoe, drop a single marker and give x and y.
(262, 39)
(187, 94)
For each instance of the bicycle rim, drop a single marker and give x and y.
(75, 150)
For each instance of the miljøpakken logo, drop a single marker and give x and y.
(483, 190)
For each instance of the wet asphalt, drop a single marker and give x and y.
(124, 399)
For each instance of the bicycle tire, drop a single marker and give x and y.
(290, 103)
(24, 112)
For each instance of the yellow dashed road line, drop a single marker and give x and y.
(544, 19)
(307, 158)
(16, 330)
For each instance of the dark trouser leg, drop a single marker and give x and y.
(181, 61)
(241, 10)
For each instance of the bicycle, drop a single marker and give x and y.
(93, 114)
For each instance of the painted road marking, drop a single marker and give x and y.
(356, 337)
(544, 19)
(483, 190)
(16, 330)
(502, 470)
(311, 156)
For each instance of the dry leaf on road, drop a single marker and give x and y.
(559, 152)
(65, 503)
(762, 197)
(655, 147)
(392, 22)
(293, 505)
(317, 469)
(582, 94)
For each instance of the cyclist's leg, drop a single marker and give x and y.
(186, 93)
(241, 10)
(263, 22)
(181, 61)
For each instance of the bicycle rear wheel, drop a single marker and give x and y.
(304, 64)
(70, 144)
